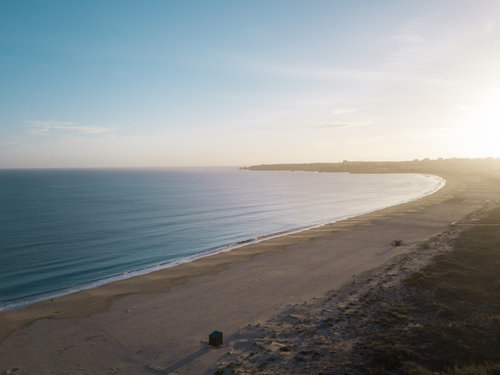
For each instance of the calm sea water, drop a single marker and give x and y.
(65, 230)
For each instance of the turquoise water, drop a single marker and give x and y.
(65, 230)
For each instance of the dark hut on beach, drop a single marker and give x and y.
(215, 338)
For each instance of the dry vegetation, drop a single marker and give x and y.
(433, 311)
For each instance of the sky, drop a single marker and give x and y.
(237, 83)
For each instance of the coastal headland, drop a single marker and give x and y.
(159, 323)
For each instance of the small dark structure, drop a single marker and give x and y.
(397, 243)
(215, 338)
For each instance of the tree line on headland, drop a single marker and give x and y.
(437, 166)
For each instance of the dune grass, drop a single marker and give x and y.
(449, 321)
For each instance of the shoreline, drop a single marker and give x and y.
(159, 318)
(27, 301)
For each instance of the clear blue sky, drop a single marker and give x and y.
(179, 83)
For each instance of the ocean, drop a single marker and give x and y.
(67, 230)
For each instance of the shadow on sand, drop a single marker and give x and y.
(177, 365)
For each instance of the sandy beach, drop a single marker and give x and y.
(160, 322)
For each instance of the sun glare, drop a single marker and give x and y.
(487, 136)
(480, 128)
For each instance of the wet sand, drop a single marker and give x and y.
(160, 322)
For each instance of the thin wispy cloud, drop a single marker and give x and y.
(409, 44)
(339, 74)
(423, 135)
(426, 134)
(408, 38)
(41, 123)
(8, 142)
(319, 72)
(344, 124)
(43, 127)
(348, 110)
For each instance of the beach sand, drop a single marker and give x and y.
(396, 318)
(160, 322)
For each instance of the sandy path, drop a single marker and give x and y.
(168, 311)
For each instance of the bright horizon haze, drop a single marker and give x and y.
(175, 83)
